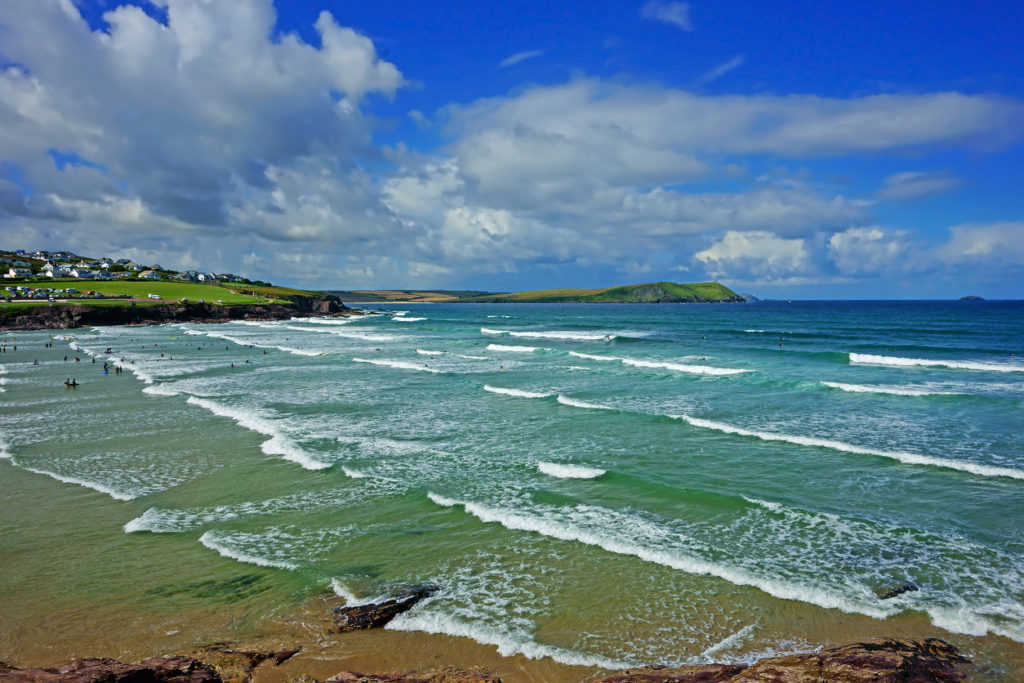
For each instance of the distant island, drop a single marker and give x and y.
(649, 293)
(971, 298)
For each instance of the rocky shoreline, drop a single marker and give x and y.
(884, 661)
(66, 316)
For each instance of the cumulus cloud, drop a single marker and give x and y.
(520, 57)
(868, 250)
(206, 123)
(674, 13)
(757, 254)
(992, 243)
(914, 185)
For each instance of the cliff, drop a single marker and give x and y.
(62, 316)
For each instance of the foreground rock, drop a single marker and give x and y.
(375, 615)
(166, 669)
(445, 675)
(65, 316)
(886, 661)
(235, 665)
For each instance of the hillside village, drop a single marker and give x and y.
(22, 265)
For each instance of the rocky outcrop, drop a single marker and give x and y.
(445, 675)
(236, 665)
(157, 669)
(886, 661)
(375, 615)
(64, 316)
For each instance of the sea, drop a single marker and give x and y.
(600, 485)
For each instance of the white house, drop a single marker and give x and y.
(151, 275)
(18, 272)
(82, 272)
(105, 275)
(58, 272)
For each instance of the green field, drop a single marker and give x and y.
(170, 290)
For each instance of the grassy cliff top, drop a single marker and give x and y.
(652, 292)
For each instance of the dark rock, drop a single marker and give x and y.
(889, 593)
(282, 656)
(445, 675)
(65, 316)
(236, 666)
(697, 673)
(157, 669)
(886, 661)
(377, 614)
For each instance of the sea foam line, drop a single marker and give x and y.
(278, 443)
(678, 367)
(869, 359)
(563, 471)
(403, 319)
(568, 531)
(553, 334)
(211, 540)
(399, 364)
(348, 334)
(895, 391)
(426, 352)
(566, 401)
(508, 644)
(514, 392)
(513, 349)
(907, 458)
(95, 486)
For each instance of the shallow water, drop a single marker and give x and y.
(601, 485)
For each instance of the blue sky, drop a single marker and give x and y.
(792, 149)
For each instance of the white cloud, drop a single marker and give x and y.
(207, 127)
(520, 57)
(868, 250)
(915, 185)
(992, 243)
(722, 69)
(674, 13)
(759, 254)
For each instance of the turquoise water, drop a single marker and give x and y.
(602, 484)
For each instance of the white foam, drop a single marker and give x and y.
(94, 485)
(553, 469)
(908, 458)
(553, 334)
(767, 504)
(326, 321)
(399, 364)
(243, 342)
(5, 454)
(513, 349)
(278, 443)
(680, 367)
(159, 390)
(460, 355)
(508, 643)
(566, 401)
(730, 641)
(869, 359)
(514, 392)
(585, 526)
(424, 352)
(349, 334)
(895, 391)
(590, 356)
(351, 600)
(401, 319)
(214, 541)
(754, 331)
(195, 333)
